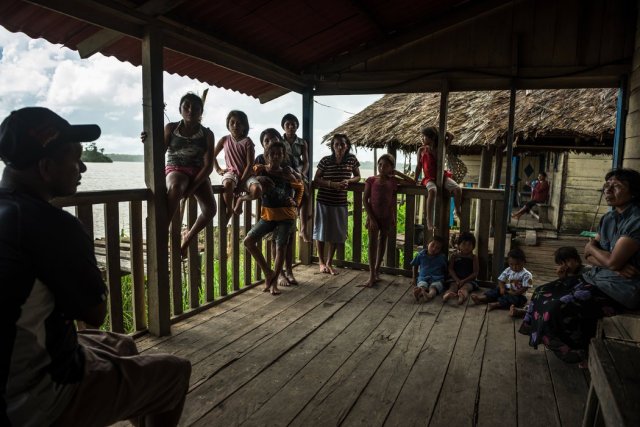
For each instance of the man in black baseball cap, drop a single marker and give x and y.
(50, 374)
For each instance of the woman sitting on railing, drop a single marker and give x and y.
(333, 176)
(611, 285)
(189, 147)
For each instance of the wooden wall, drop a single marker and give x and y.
(473, 169)
(585, 176)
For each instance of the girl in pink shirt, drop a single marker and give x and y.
(239, 155)
(380, 204)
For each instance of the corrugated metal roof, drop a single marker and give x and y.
(294, 34)
(265, 48)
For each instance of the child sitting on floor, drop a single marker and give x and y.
(512, 284)
(463, 269)
(569, 283)
(431, 265)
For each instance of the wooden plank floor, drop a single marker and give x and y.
(330, 353)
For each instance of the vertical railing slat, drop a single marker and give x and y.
(498, 235)
(357, 226)
(112, 237)
(258, 272)
(222, 247)
(85, 216)
(136, 254)
(391, 252)
(465, 221)
(194, 275)
(247, 256)
(175, 263)
(209, 262)
(410, 209)
(235, 251)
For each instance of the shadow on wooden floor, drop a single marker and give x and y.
(330, 353)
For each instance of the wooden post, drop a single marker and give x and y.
(306, 248)
(158, 221)
(441, 219)
(499, 244)
(482, 221)
(375, 161)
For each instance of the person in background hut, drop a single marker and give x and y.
(427, 165)
(463, 269)
(268, 137)
(380, 204)
(189, 147)
(513, 283)
(539, 194)
(51, 374)
(281, 195)
(333, 176)
(300, 153)
(239, 156)
(613, 282)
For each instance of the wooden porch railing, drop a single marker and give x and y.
(218, 266)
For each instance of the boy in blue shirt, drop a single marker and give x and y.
(429, 268)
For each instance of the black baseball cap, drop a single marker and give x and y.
(30, 134)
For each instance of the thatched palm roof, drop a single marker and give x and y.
(577, 116)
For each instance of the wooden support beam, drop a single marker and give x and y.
(441, 219)
(158, 222)
(306, 248)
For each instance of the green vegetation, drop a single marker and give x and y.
(126, 157)
(91, 154)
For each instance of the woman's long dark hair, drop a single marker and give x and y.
(345, 139)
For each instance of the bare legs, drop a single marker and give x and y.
(303, 213)
(177, 184)
(271, 276)
(255, 192)
(431, 197)
(325, 263)
(457, 201)
(377, 247)
(228, 186)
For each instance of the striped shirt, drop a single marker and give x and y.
(334, 172)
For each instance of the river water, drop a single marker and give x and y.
(120, 176)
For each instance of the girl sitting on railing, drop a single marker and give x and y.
(427, 165)
(380, 204)
(239, 154)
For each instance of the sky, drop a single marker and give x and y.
(108, 92)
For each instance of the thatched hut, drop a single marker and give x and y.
(567, 133)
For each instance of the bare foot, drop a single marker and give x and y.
(184, 246)
(428, 296)
(238, 208)
(324, 269)
(516, 312)
(332, 270)
(368, 284)
(462, 297)
(476, 299)
(304, 235)
(289, 279)
(268, 278)
(275, 291)
(417, 293)
(448, 295)
(493, 305)
(430, 227)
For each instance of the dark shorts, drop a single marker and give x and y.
(281, 230)
(505, 300)
(120, 384)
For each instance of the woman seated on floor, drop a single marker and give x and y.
(565, 322)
